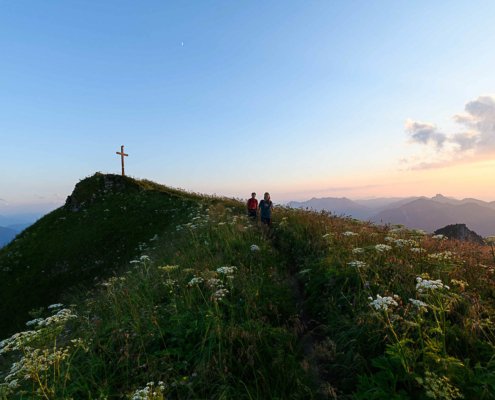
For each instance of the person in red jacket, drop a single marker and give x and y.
(252, 206)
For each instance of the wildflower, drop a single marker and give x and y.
(226, 270)
(327, 235)
(441, 237)
(220, 294)
(382, 303)
(56, 305)
(419, 304)
(358, 250)
(145, 257)
(430, 284)
(195, 280)
(367, 285)
(419, 232)
(358, 264)
(446, 255)
(348, 233)
(416, 250)
(382, 247)
(304, 271)
(254, 248)
(490, 239)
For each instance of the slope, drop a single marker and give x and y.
(98, 230)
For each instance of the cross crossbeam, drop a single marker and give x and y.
(122, 154)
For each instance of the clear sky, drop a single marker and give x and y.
(298, 98)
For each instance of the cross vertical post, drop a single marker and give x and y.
(122, 154)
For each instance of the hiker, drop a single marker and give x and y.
(252, 206)
(266, 208)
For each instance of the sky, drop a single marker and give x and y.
(300, 99)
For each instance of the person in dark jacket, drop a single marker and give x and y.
(252, 206)
(266, 208)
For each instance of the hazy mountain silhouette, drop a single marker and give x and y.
(431, 215)
(6, 235)
(336, 205)
(20, 227)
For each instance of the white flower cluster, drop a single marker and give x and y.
(440, 237)
(59, 318)
(405, 242)
(389, 239)
(55, 306)
(349, 234)
(171, 282)
(425, 284)
(382, 247)
(304, 271)
(419, 304)
(195, 281)
(446, 255)
(220, 294)
(490, 239)
(358, 264)
(328, 235)
(382, 303)
(254, 248)
(150, 392)
(358, 250)
(226, 270)
(416, 250)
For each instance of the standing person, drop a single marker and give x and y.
(252, 206)
(266, 208)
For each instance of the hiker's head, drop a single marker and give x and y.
(253, 195)
(267, 196)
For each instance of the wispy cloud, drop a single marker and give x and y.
(475, 142)
(38, 197)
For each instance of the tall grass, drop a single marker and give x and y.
(409, 315)
(205, 312)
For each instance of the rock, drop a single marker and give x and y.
(460, 232)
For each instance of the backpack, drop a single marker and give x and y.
(252, 204)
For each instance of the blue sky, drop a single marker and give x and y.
(293, 97)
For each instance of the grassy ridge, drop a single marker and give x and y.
(207, 309)
(207, 314)
(67, 248)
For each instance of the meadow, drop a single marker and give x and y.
(317, 306)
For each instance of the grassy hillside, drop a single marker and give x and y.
(216, 307)
(106, 220)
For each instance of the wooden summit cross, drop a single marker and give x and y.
(122, 154)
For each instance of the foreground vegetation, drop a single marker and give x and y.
(216, 307)
(405, 315)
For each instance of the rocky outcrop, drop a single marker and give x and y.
(460, 232)
(89, 190)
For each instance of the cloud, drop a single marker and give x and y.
(2, 200)
(425, 133)
(38, 197)
(475, 142)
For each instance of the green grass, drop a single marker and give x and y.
(66, 248)
(441, 350)
(191, 310)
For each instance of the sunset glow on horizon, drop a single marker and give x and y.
(303, 100)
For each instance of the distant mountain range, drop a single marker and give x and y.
(13, 225)
(6, 235)
(424, 213)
